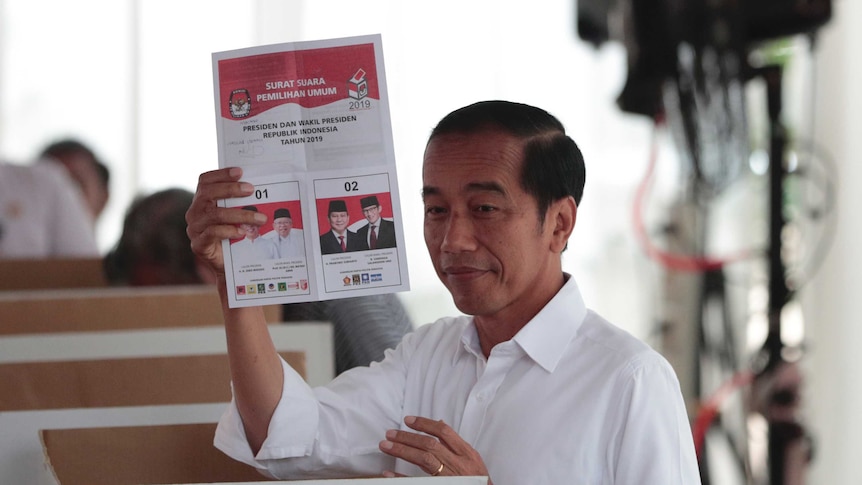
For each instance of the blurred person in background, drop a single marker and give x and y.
(42, 215)
(154, 248)
(89, 173)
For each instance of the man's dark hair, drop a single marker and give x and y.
(69, 146)
(154, 236)
(553, 166)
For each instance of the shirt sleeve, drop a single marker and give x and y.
(326, 432)
(655, 442)
(292, 440)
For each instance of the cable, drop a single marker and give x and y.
(675, 262)
(710, 408)
(824, 211)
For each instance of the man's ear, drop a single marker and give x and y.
(562, 214)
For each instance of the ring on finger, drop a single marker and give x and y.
(438, 470)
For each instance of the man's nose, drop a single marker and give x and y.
(458, 235)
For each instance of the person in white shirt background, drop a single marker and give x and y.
(42, 214)
(528, 387)
(91, 175)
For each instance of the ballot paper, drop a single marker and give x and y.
(309, 124)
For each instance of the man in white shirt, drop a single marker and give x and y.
(531, 388)
(42, 215)
(289, 241)
(91, 175)
(252, 248)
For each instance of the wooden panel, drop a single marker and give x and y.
(120, 382)
(141, 455)
(32, 274)
(113, 309)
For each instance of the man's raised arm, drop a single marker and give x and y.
(255, 366)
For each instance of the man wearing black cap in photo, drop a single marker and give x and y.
(252, 248)
(379, 233)
(339, 239)
(289, 241)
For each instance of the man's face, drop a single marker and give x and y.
(338, 221)
(282, 226)
(372, 213)
(251, 231)
(483, 230)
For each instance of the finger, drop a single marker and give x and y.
(204, 211)
(391, 474)
(399, 445)
(229, 174)
(215, 216)
(415, 440)
(208, 223)
(211, 192)
(440, 430)
(213, 235)
(218, 184)
(214, 186)
(211, 227)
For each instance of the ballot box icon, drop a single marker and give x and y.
(357, 86)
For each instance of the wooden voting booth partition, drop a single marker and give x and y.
(112, 308)
(41, 274)
(151, 360)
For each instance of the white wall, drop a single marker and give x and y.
(834, 380)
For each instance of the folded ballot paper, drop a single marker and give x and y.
(308, 122)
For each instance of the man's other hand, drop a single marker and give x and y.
(437, 449)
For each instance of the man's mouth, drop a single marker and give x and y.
(463, 272)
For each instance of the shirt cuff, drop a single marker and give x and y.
(292, 428)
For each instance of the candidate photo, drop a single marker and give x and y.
(252, 248)
(379, 233)
(339, 239)
(288, 239)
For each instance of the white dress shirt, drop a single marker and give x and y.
(571, 399)
(42, 214)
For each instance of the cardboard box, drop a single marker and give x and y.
(141, 455)
(157, 455)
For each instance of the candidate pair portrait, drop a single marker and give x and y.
(282, 242)
(376, 233)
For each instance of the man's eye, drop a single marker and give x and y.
(432, 210)
(485, 208)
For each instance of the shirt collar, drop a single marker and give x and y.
(547, 335)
